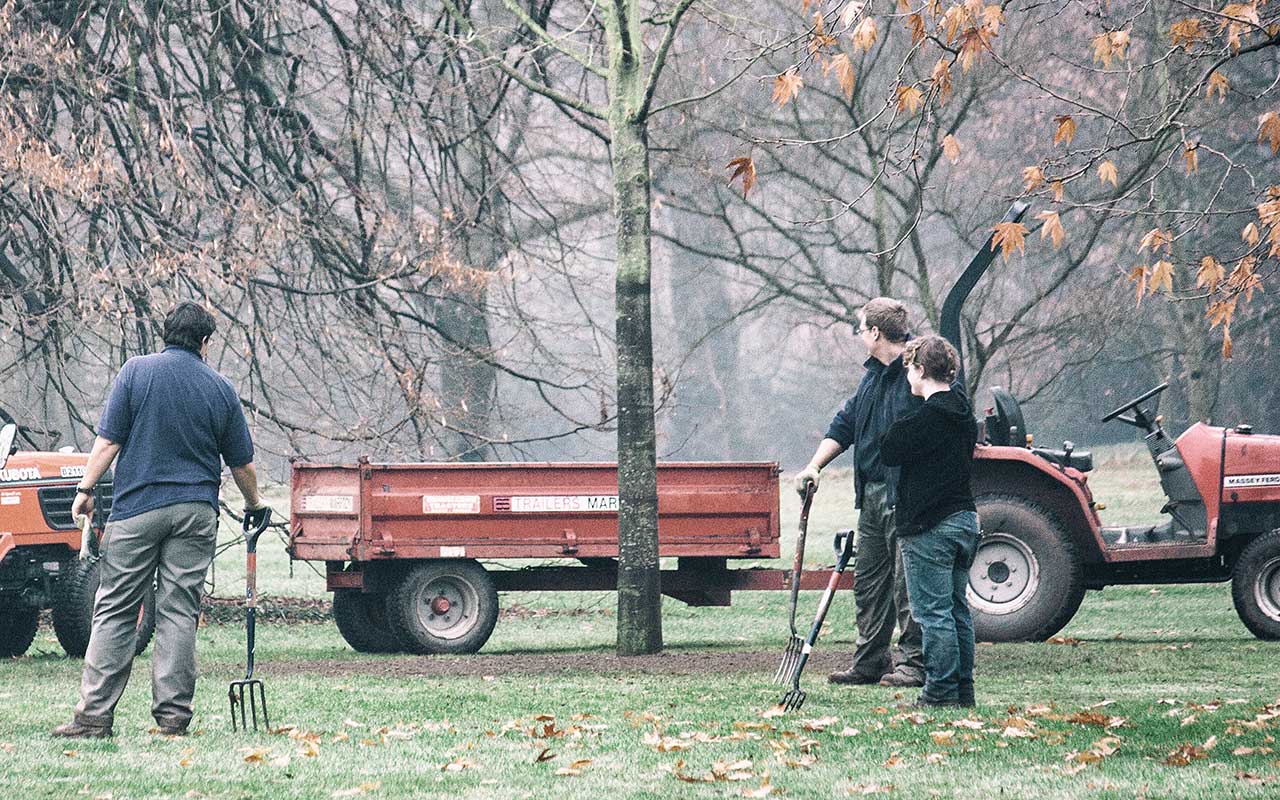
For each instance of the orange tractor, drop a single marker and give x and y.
(46, 560)
(1043, 545)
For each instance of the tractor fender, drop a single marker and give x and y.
(1018, 472)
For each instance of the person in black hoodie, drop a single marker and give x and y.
(937, 520)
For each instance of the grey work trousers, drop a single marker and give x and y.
(880, 594)
(176, 544)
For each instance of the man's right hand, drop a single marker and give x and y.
(256, 519)
(806, 476)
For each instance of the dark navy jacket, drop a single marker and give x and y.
(883, 397)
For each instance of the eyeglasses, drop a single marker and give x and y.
(865, 329)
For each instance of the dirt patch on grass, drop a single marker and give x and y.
(675, 662)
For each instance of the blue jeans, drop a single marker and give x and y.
(937, 564)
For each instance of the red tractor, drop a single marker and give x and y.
(40, 546)
(1043, 545)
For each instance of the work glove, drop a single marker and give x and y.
(809, 474)
(256, 519)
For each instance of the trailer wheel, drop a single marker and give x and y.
(1027, 578)
(362, 621)
(443, 607)
(73, 607)
(18, 624)
(1255, 586)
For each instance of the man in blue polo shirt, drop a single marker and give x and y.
(172, 421)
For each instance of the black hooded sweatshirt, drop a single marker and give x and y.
(934, 447)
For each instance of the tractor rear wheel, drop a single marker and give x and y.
(362, 621)
(443, 607)
(18, 624)
(1027, 578)
(1255, 586)
(73, 607)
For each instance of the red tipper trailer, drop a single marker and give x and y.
(401, 542)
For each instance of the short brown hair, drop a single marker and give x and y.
(936, 357)
(888, 315)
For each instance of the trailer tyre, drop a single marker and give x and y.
(443, 607)
(1255, 586)
(1027, 579)
(18, 624)
(73, 607)
(362, 621)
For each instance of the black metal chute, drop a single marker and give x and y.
(950, 322)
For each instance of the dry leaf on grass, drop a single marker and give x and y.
(254, 755)
(869, 788)
(818, 725)
(1184, 755)
(943, 737)
(575, 768)
(458, 765)
(356, 791)
(766, 789)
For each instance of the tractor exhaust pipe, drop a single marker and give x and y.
(950, 322)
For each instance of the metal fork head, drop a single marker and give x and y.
(248, 700)
(790, 658)
(792, 700)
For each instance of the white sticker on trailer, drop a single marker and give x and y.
(1249, 481)
(550, 503)
(328, 504)
(451, 504)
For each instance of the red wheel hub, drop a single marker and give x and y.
(440, 605)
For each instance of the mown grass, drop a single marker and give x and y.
(1150, 654)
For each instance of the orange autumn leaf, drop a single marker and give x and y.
(1250, 234)
(745, 168)
(1161, 276)
(951, 148)
(1217, 83)
(1052, 228)
(786, 86)
(1210, 274)
(972, 42)
(1059, 189)
(1186, 32)
(1066, 129)
(1107, 173)
(916, 23)
(1139, 277)
(941, 79)
(842, 65)
(1155, 239)
(1109, 45)
(1191, 157)
(1220, 312)
(864, 36)
(1269, 129)
(910, 99)
(1009, 236)
(1032, 177)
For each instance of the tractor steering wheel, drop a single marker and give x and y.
(1134, 404)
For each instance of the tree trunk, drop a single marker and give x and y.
(639, 592)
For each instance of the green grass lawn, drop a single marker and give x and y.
(1157, 692)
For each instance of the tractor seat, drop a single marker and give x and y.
(1079, 459)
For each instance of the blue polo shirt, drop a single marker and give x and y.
(176, 420)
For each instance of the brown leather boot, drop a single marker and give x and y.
(78, 730)
(850, 678)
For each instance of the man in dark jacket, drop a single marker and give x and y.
(880, 593)
(937, 520)
(173, 421)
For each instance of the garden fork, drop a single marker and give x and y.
(794, 698)
(248, 696)
(795, 645)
